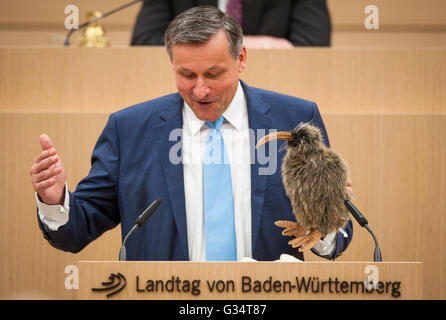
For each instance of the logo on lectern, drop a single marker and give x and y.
(116, 283)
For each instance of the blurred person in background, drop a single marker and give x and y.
(266, 24)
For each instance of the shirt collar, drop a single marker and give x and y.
(234, 114)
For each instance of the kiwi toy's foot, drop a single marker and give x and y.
(305, 239)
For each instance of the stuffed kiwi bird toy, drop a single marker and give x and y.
(315, 181)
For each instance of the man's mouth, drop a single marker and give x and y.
(204, 103)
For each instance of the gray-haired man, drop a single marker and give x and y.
(131, 162)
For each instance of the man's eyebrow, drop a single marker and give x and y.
(213, 68)
(184, 69)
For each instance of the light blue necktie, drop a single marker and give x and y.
(218, 199)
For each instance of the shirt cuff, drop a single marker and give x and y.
(54, 216)
(327, 246)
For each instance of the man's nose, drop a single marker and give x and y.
(201, 89)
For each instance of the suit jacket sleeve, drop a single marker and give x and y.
(94, 205)
(151, 23)
(310, 23)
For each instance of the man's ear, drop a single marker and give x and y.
(242, 60)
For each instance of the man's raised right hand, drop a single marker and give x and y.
(48, 174)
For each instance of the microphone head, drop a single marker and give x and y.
(148, 212)
(355, 213)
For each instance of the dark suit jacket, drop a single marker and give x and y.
(302, 22)
(131, 168)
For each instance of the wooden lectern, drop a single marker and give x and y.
(250, 280)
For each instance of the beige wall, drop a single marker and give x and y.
(402, 22)
(355, 80)
(384, 110)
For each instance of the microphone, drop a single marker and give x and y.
(363, 223)
(95, 19)
(139, 223)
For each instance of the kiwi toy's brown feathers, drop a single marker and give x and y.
(315, 181)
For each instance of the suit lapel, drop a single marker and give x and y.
(258, 118)
(171, 119)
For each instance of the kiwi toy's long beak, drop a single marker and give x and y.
(281, 135)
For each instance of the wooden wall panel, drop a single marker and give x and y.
(30, 267)
(406, 13)
(370, 39)
(396, 163)
(343, 12)
(51, 13)
(384, 110)
(51, 39)
(402, 22)
(340, 80)
(57, 79)
(409, 274)
(397, 166)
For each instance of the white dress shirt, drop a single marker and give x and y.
(235, 131)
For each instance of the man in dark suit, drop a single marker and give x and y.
(147, 151)
(266, 24)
